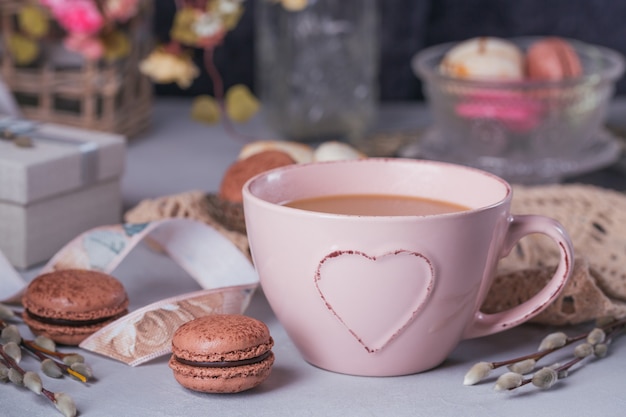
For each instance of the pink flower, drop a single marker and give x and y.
(52, 4)
(76, 16)
(90, 47)
(120, 10)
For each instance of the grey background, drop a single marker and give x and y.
(410, 25)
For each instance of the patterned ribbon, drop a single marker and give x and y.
(226, 275)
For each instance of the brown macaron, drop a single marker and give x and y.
(552, 59)
(69, 305)
(222, 353)
(242, 170)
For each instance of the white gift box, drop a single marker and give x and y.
(66, 183)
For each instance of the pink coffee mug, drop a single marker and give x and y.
(388, 295)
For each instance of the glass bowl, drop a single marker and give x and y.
(522, 130)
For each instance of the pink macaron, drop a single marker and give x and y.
(222, 353)
(552, 59)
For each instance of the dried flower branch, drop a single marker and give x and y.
(72, 364)
(31, 380)
(595, 345)
(44, 350)
(53, 363)
(6, 313)
(202, 25)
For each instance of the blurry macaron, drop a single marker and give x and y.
(484, 58)
(69, 305)
(300, 152)
(552, 59)
(335, 151)
(243, 169)
(222, 353)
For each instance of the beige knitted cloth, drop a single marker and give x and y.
(192, 205)
(595, 219)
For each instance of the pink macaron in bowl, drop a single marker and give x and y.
(529, 109)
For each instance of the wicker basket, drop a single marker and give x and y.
(107, 96)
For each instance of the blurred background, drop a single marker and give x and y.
(407, 26)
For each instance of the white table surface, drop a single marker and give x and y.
(179, 155)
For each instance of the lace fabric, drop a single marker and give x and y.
(595, 219)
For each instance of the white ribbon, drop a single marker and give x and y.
(11, 283)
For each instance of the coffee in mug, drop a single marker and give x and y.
(375, 205)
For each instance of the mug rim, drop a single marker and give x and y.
(250, 196)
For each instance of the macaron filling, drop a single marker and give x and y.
(225, 364)
(72, 323)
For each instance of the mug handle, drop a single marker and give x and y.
(520, 226)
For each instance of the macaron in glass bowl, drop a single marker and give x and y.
(526, 130)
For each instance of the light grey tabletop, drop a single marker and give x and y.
(179, 155)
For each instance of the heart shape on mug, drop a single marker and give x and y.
(375, 297)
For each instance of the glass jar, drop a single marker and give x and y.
(317, 67)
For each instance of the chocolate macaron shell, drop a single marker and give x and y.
(241, 170)
(65, 335)
(75, 294)
(222, 353)
(70, 305)
(222, 380)
(221, 337)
